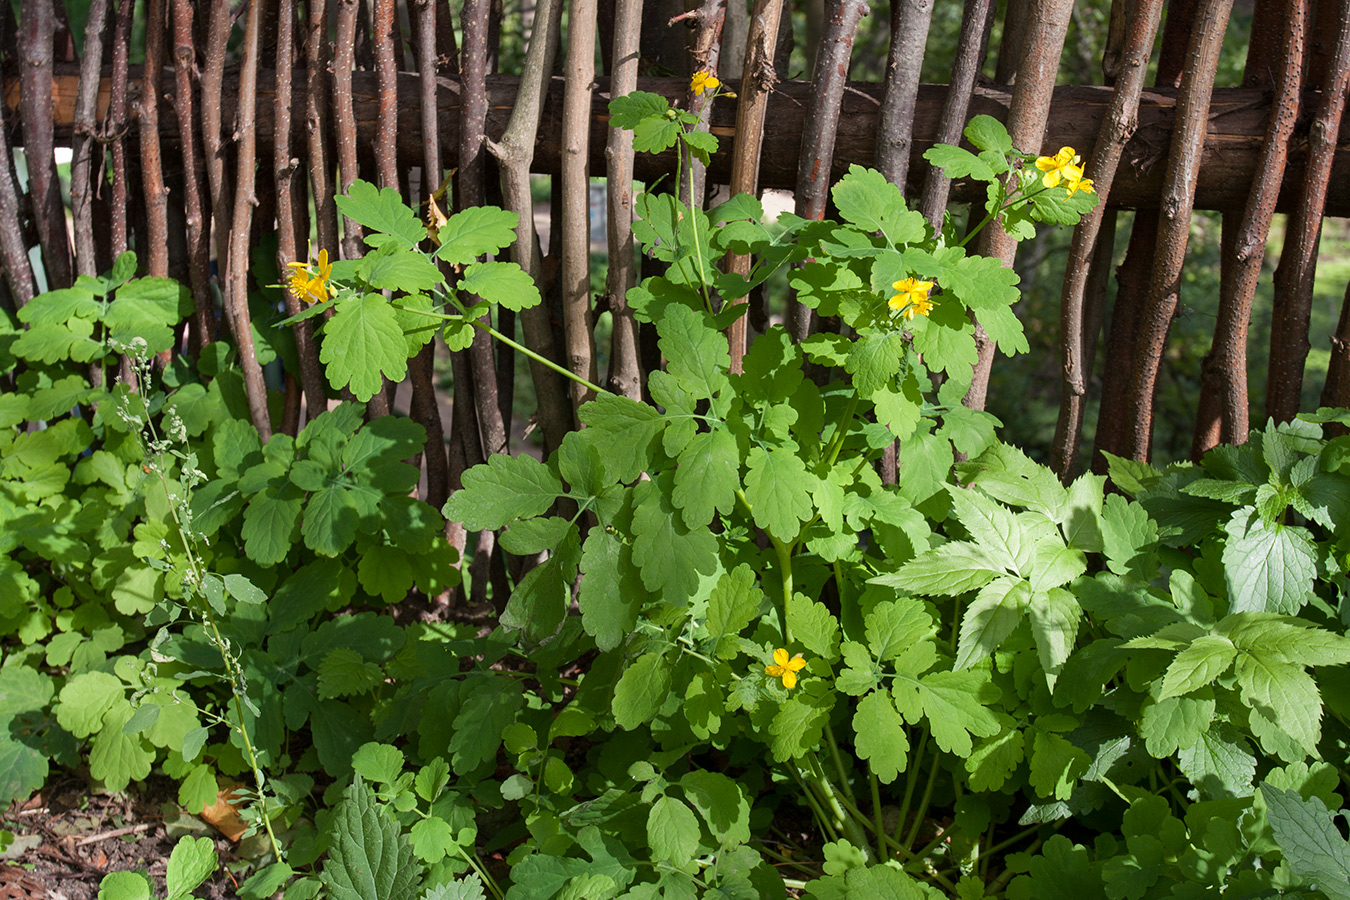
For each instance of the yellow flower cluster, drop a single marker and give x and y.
(912, 299)
(1064, 166)
(311, 287)
(785, 668)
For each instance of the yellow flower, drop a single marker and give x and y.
(703, 81)
(1074, 181)
(913, 297)
(785, 668)
(1056, 167)
(311, 288)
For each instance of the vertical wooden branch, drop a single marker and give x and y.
(625, 373)
(815, 159)
(194, 177)
(83, 144)
(219, 25)
(344, 118)
(237, 265)
(1116, 130)
(1222, 415)
(1294, 276)
(757, 82)
(1178, 200)
(472, 191)
(1042, 45)
(425, 408)
(706, 56)
(895, 130)
(317, 135)
(1336, 392)
(1134, 274)
(286, 172)
(18, 270)
(156, 251)
(115, 125)
(35, 112)
(579, 78)
(976, 18)
(515, 152)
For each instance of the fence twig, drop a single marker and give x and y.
(1117, 129)
(575, 274)
(44, 187)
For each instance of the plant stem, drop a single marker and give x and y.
(877, 816)
(784, 553)
(911, 780)
(923, 803)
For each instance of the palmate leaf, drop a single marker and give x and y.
(707, 477)
(383, 212)
(630, 109)
(363, 343)
(503, 489)
(957, 705)
(148, 308)
(611, 593)
(881, 736)
(779, 490)
(397, 268)
(865, 198)
(503, 283)
(670, 555)
(476, 232)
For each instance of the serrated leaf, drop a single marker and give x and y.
(1054, 627)
(988, 133)
(431, 839)
(874, 360)
(779, 490)
(814, 626)
(1056, 765)
(1174, 724)
(503, 283)
(799, 724)
(1283, 693)
(707, 477)
(880, 736)
(993, 761)
(611, 593)
(86, 699)
(641, 690)
(344, 673)
(124, 886)
(148, 308)
(672, 831)
(397, 268)
(363, 343)
(1219, 764)
(369, 856)
(956, 705)
(671, 556)
(722, 804)
(117, 758)
(655, 134)
(631, 108)
(948, 570)
(1268, 569)
(1312, 844)
(1198, 665)
(994, 614)
(624, 432)
(477, 729)
(381, 210)
(865, 198)
(734, 602)
(893, 627)
(503, 489)
(476, 232)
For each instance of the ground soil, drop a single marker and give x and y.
(67, 839)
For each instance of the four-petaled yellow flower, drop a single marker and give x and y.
(913, 297)
(1074, 181)
(786, 668)
(311, 287)
(1057, 168)
(703, 81)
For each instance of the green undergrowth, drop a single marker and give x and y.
(742, 666)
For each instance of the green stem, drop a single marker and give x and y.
(784, 553)
(826, 825)
(845, 422)
(519, 348)
(911, 780)
(926, 799)
(839, 764)
(878, 818)
(856, 836)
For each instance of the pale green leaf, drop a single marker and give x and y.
(381, 210)
(865, 198)
(880, 736)
(363, 343)
(779, 490)
(1174, 724)
(641, 690)
(707, 477)
(503, 283)
(502, 490)
(994, 614)
(193, 861)
(1268, 568)
(814, 626)
(1197, 666)
(672, 831)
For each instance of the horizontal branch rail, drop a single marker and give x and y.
(1237, 123)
